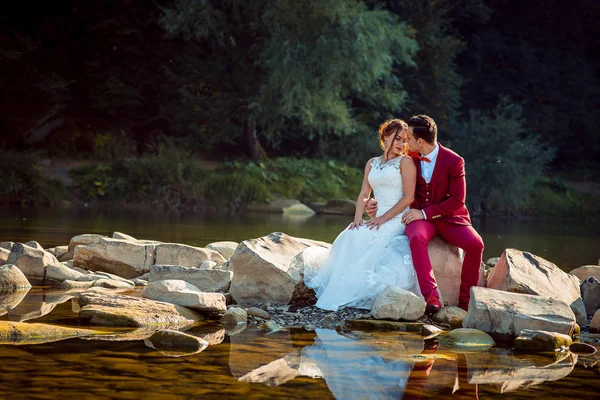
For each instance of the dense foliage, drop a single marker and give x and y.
(114, 80)
(173, 179)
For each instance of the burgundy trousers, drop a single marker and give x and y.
(419, 234)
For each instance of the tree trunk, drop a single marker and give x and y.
(250, 140)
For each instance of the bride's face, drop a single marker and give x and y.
(396, 143)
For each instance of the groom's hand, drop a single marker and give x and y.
(412, 215)
(371, 207)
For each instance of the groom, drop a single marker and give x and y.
(439, 209)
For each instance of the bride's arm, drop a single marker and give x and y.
(408, 170)
(363, 197)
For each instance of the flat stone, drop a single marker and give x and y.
(184, 294)
(184, 255)
(30, 333)
(206, 280)
(119, 257)
(104, 308)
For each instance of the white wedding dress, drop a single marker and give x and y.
(362, 262)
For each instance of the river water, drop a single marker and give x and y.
(290, 363)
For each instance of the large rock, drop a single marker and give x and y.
(11, 279)
(185, 256)
(104, 308)
(446, 261)
(590, 291)
(264, 272)
(25, 333)
(225, 248)
(395, 303)
(504, 315)
(32, 262)
(207, 280)
(586, 271)
(4, 255)
(522, 272)
(120, 257)
(6, 245)
(184, 294)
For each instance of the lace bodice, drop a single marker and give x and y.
(386, 181)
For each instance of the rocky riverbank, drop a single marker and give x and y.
(259, 282)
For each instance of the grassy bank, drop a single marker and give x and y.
(173, 179)
(176, 179)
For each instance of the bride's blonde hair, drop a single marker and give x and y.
(391, 127)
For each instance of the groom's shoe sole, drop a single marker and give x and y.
(431, 309)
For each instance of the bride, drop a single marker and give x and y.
(370, 255)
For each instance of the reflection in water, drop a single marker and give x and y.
(355, 370)
(389, 365)
(37, 303)
(509, 372)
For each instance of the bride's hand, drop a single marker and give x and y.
(356, 224)
(376, 222)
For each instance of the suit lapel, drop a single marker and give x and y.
(439, 166)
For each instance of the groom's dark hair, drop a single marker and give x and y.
(423, 127)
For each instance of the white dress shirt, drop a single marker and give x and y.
(427, 167)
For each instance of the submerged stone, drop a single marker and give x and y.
(467, 338)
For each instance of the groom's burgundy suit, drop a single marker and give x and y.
(443, 201)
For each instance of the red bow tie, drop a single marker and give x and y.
(420, 157)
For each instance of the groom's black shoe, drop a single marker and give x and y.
(431, 309)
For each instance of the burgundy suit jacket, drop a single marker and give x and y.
(444, 197)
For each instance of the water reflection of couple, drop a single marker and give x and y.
(392, 247)
(353, 368)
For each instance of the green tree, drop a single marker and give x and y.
(503, 158)
(306, 70)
